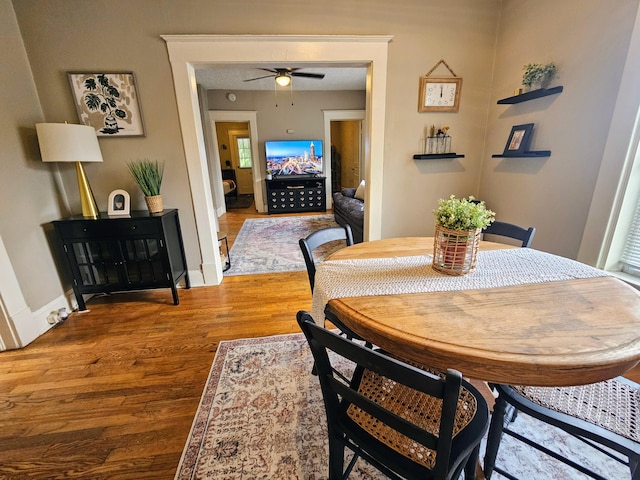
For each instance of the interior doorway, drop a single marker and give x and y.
(185, 51)
(234, 151)
(346, 154)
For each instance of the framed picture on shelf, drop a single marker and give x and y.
(119, 203)
(519, 139)
(108, 102)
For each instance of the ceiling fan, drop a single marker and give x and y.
(283, 75)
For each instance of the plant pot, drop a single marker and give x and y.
(454, 251)
(154, 203)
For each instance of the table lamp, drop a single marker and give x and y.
(64, 142)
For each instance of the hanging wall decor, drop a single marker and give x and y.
(108, 102)
(439, 94)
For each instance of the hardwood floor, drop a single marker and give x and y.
(111, 393)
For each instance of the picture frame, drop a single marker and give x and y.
(108, 102)
(519, 139)
(439, 94)
(119, 203)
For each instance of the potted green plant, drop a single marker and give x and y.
(459, 223)
(148, 175)
(537, 75)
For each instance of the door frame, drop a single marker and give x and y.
(338, 115)
(186, 52)
(250, 117)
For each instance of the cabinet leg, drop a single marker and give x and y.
(174, 292)
(80, 299)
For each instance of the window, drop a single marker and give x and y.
(244, 152)
(631, 254)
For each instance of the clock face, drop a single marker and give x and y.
(440, 94)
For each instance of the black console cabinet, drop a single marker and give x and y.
(296, 193)
(114, 254)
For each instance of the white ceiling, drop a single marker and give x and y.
(231, 77)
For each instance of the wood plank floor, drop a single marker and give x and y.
(111, 393)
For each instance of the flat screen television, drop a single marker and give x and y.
(294, 157)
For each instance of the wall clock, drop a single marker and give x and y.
(439, 94)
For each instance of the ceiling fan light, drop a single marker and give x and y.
(283, 79)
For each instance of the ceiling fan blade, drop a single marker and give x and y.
(318, 76)
(271, 70)
(258, 78)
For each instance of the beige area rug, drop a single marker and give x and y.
(262, 417)
(269, 245)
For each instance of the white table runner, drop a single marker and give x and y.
(396, 275)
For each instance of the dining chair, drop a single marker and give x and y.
(504, 229)
(319, 238)
(406, 422)
(604, 414)
(315, 240)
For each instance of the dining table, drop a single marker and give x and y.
(523, 316)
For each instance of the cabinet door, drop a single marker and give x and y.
(93, 264)
(144, 262)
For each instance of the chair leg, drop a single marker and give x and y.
(471, 465)
(494, 437)
(336, 459)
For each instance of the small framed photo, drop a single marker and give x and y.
(119, 203)
(108, 102)
(519, 139)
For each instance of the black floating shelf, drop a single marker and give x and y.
(523, 97)
(435, 156)
(534, 153)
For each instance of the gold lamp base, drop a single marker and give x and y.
(89, 207)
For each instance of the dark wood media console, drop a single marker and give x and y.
(296, 193)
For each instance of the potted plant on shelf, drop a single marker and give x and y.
(459, 224)
(538, 76)
(148, 175)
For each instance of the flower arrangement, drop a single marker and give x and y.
(462, 214)
(537, 74)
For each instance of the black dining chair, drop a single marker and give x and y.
(319, 238)
(406, 422)
(604, 414)
(504, 229)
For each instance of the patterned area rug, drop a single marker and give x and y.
(262, 416)
(268, 245)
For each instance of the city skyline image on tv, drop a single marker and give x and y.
(294, 157)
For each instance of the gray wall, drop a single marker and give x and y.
(484, 41)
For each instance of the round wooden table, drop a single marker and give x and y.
(556, 333)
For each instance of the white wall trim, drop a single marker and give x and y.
(188, 51)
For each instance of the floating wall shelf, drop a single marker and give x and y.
(436, 156)
(524, 97)
(534, 153)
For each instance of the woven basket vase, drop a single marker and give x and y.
(154, 203)
(454, 251)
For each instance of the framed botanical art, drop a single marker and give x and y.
(519, 139)
(108, 102)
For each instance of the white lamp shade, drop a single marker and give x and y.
(65, 142)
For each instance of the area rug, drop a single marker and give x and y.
(261, 416)
(267, 245)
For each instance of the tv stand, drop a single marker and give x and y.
(296, 193)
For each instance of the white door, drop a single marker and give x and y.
(241, 160)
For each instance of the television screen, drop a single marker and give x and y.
(294, 157)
